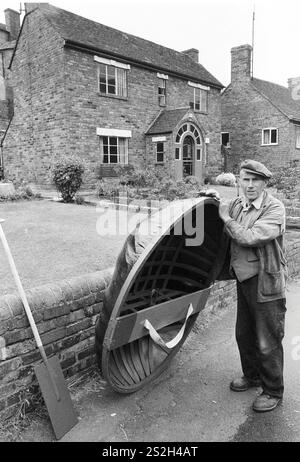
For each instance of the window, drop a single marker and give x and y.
(162, 92)
(198, 99)
(160, 152)
(298, 137)
(225, 140)
(112, 80)
(113, 150)
(192, 130)
(269, 136)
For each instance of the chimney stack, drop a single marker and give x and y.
(294, 87)
(12, 21)
(241, 63)
(193, 53)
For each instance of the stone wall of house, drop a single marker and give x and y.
(37, 133)
(58, 107)
(245, 112)
(65, 314)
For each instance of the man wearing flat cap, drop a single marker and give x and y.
(255, 225)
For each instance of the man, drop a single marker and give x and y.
(255, 226)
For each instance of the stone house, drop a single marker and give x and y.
(260, 119)
(110, 98)
(8, 34)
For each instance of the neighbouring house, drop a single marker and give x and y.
(8, 35)
(260, 119)
(111, 98)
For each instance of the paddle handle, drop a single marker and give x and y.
(27, 307)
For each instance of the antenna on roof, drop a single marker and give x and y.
(253, 19)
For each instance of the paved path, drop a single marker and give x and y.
(191, 401)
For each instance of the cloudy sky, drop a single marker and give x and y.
(211, 26)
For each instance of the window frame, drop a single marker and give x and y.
(297, 136)
(116, 70)
(118, 154)
(203, 90)
(228, 143)
(160, 152)
(162, 95)
(270, 129)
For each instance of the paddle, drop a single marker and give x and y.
(49, 375)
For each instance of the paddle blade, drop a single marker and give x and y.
(61, 412)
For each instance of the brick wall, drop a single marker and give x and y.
(58, 107)
(66, 314)
(37, 132)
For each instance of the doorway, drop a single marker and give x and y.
(188, 156)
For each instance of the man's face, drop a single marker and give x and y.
(252, 185)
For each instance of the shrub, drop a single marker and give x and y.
(67, 177)
(226, 179)
(286, 179)
(108, 187)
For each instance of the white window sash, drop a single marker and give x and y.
(122, 152)
(266, 136)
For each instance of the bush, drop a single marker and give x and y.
(108, 187)
(149, 182)
(286, 179)
(226, 179)
(67, 176)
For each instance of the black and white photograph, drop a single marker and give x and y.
(149, 224)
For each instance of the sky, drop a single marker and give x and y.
(211, 26)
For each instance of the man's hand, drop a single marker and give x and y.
(224, 210)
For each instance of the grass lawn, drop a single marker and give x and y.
(51, 241)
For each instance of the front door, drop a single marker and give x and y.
(188, 155)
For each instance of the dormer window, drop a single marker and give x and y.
(112, 77)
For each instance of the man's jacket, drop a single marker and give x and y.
(262, 239)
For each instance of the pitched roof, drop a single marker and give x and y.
(280, 97)
(94, 36)
(167, 121)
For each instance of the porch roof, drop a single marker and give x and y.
(167, 121)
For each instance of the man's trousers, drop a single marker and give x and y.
(259, 334)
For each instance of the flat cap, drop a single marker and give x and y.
(253, 166)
